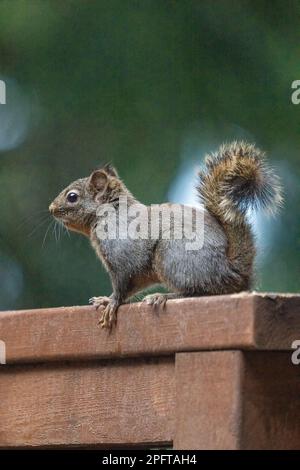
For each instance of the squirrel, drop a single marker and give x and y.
(233, 180)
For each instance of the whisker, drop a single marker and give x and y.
(31, 218)
(67, 232)
(61, 230)
(45, 236)
(54, 230)
(34, 214)
(39, 225)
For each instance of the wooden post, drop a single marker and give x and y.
(208, 400)
(237, 400)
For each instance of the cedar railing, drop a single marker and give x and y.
(205, 373)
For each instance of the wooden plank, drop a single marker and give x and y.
(128, 402)
(242, 321)
(208, 406)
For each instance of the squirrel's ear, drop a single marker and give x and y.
(110, 170)
(98, 180)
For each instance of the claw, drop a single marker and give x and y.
(109, 316)
(109, 313)
(156, 300)
(99, 301)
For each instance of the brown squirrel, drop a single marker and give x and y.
(234, 179)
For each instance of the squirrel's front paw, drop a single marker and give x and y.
(99, 301)
(109, 315)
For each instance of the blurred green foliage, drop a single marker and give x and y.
(127, 81)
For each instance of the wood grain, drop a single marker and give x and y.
(243, 321)
(88, 404)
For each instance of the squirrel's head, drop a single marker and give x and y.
(77, 204)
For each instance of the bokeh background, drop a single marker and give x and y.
(150, 86)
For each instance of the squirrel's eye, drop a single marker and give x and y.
(72, 197)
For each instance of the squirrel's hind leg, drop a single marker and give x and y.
(101, 301)
(160, 299)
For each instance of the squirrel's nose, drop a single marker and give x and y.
(52, 208)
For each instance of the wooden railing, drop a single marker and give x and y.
(205, 373)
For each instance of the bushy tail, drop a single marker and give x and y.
(235, 179)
